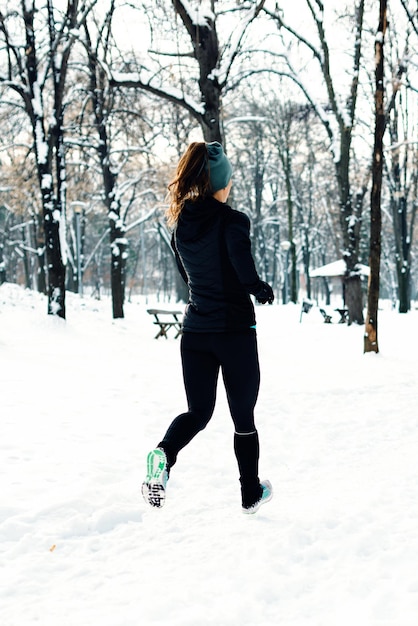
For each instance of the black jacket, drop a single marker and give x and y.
(213, 252)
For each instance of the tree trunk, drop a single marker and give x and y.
(51, 225)
(26, 260)
(399, 206)
(403, 248)
(259, 235)
(48, 141)
(39, 245)
(56, 268)
(404, 288)
(353, 297)
(350, 219)
(205, 43)
(370, 337)
(2, 265)
(117, 271)
(101, 106)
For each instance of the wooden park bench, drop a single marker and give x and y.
(166, 320)
(343, 316)
(327, 317)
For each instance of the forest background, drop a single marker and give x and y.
(99, 98)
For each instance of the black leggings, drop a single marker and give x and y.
(203, 354)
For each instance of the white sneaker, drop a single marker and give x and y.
(153, 487)
(266, 496)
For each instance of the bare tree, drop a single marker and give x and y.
(115, 132)
(370, 335)
(101, 107)
(411, 13)
(34, 65)
(212, 61)
(340, 135)
(286, 150)
(402, 178)
(401, 157)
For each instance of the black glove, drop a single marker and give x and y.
(264, 294)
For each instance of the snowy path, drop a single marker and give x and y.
(338, 544)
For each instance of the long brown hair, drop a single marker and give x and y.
(190, 182)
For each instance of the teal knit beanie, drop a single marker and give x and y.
(220, 168)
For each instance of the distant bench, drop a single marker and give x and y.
(328, 317)
(166, 320)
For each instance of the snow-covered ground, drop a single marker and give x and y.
(83, 401)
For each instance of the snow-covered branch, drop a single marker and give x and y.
(235, 42)
(134, 81)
